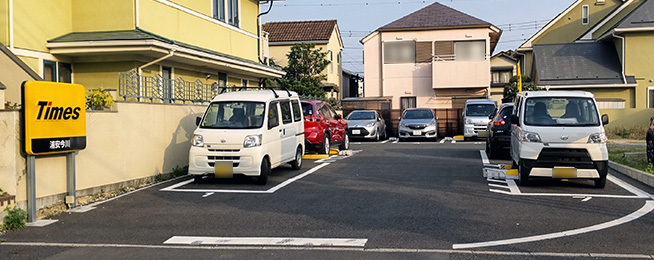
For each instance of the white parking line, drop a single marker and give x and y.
(647, 208)
(266, 241)
(271, 190)
(385, 141)
(484, 157)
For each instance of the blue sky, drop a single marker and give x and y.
(357, 18)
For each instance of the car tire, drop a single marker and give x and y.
(523, 176)
(197, 178)
(297, 163)
(489, 150)
(346, 143)
(600, 182)
(377, 137)
(264, 172)
(324, 147)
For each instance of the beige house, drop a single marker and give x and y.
(324, 34)
(503, 66)
(436, 57)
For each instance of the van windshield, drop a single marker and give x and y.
(561, 111)
(480, 109)
(234, 115)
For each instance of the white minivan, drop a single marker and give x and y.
(476, 115)
(560, 135)
(248, 133)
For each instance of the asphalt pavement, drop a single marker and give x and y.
(406, 200)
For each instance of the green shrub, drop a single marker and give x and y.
(99, 99)
(16, 218)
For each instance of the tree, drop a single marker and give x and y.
(303, 72)
(511, 90)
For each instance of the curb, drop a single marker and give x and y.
(641, 176)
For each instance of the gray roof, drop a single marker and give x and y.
(578, 64)
(139, 34)
(435, 15)
(643, 16)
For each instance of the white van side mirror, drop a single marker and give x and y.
(514, 119)
(197, 121)
(605, 119)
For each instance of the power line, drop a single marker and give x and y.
(370, 3)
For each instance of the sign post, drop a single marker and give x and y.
(54, 118)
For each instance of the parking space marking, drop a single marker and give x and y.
(647, 208)
(269, 191)
(385, 141)
(266, 241)
(484, 157)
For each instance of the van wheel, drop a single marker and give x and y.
(298, 159)
(489, 150)
(324, 149)
(346, 143)
(523, 175)
(601, 182)
(197, 178)
(265, 171)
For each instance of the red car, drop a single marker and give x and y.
(323, 127)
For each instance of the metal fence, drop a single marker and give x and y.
(156, 88)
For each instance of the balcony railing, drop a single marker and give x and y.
(133, 86)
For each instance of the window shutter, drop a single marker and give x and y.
(444, 49)
(423, 52)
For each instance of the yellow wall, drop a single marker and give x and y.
(640, 63)
(249, 12)
(198, 31)
(34, 26)
(114, 15)
(33, 63)
(336, 73)
(627, 118)
(100, 75)
(569, 28)
(4, 22)
(203, 7)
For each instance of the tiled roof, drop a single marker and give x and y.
(578, 64)
(299, 31)
(435, 15)
(643, 16)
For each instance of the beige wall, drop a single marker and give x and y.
(12, 76)
(639, 62)
(120, 148)
(372, 67)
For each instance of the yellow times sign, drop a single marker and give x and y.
(54, 117)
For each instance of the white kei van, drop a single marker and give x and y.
(476, 116)
(248, 133)
(559, 134)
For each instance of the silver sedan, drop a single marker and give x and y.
(418, 123)
(366, 124)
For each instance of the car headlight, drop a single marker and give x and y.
(431, 124)
(468, 121)
(597, 138)
(370, 125)
(403, 125)
(530, 137)
(197, 140)
(252, 141)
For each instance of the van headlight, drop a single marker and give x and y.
(197, 140)
(530, 137)
(468, 121)
(597, 138)
(252, 141)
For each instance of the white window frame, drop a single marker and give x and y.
(649, 97)
(585, 14)
(213, 10)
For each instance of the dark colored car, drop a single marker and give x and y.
(323, 127)
(498, 141)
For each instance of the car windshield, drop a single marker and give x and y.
(480, 109)
(418, 114)
(234, 115)
(561, 111)
(361, 115)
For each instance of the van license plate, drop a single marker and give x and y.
(564, 172)
(223, 170)
(417, 132)
(356, 132)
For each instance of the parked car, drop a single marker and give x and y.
(323, 127)
(248, 133)
(367, 124)
(498, 141)
(417, 123)
(560, 135)
(476, 116)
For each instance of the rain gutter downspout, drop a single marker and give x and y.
(259, 34)
(624, 77)
(140, 69)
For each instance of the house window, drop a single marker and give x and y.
(501, 76)
(584, 14)
(244, 83)
(423, 52)
(407, 102)
(444, 50)
(470, 50)
(650, 97)
(50, 71)
(65, 73)
(331, 63)
(610, 103)
(399, 52)
(232, 6)
(222, 79)
(219, 10)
